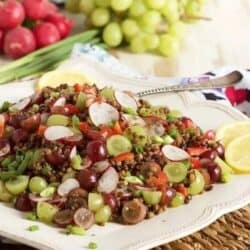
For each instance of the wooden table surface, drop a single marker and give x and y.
(208, 45)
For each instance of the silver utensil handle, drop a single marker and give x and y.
(219, 82)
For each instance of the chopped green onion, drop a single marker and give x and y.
(167, 139)
(173, 132)
(31, 216)
(5, 163)
(81, 101)
(44, 58)
(157, 139)
(75, 121)
(5, 106)
(33, 228)
(6, 175)
(92, 245)
(46, 169)
(25, 163)
(75, 230)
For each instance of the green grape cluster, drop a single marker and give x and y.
(156, 26)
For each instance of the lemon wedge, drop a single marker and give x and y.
(57, 77)
(231, 131)
(237, 154)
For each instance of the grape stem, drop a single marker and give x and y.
(194, 17)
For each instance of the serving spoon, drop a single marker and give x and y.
(219, 82)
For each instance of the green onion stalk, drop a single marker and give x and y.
(45, 58)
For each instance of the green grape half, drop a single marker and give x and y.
(103, 215)
(37, 184)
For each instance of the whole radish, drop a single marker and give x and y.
(11, 14)
(1, 40)
(19, 42)
(63, 24)
(52, 8)
(36, 9)
(46, 33)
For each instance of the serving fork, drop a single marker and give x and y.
(220, 82)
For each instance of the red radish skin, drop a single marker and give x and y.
(36, 9)
(46, 33)
(1, 40)
(63, 24)
(51, 8)
(12, 14)
(18, 42)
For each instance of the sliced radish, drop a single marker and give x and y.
(156, 129)
(101, 166)
(54, 133)
(60, 102)
(108, 181)
(125, 100)
(174, 153)
(4, 148)
(102, 113)
(134, 120)
(21, 105)
(37, 199)
(74, 140)
(73, 153)
(67, 186)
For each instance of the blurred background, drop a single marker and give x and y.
(170, 37)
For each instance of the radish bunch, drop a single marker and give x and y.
(30, 24)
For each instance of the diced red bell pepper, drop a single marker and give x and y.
(159, 181)
(78, 87)
(41, 130)
(182, 190)
(124, 157)
(195, 163)
(196, 151)
(72, 109)
(84, 127)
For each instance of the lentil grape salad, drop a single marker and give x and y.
(77, 156)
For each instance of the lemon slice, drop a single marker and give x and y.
(57, 77)
(232, 131)
(237, 154)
